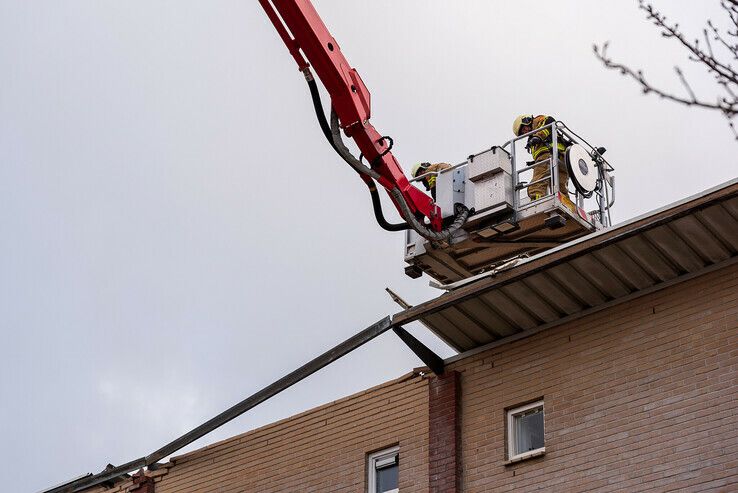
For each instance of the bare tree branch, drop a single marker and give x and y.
(733, 49)
(731, 8)
(717, 63)
(732, 128)
(698, 55)
(729, 108)
(684, 82)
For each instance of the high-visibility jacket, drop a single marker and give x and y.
(545, 135)
(430, 180)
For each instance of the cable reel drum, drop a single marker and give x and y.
(582, 170)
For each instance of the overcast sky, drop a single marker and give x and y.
(176, 234)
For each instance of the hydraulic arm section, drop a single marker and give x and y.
(306, 37)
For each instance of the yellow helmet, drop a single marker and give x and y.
(520, 121)
(417, 168)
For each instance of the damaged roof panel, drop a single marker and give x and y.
(658, 249)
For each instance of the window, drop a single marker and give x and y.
(525, 431)
(384, 468)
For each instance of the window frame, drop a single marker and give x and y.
(376, 458)
(511, 413)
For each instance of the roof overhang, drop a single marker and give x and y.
(664, 247)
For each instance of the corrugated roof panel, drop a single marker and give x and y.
(668, 242)
(627, 269)
(535, 305)
(476, 330)
(595, 272)
(488, 314)
(649, 259)
(731, 206)
(700, 239)
(453, 335)
(681, 241)
(571, 281)
(549, 289)
(722, 225)
(511, 310)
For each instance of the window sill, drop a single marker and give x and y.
(533, 454)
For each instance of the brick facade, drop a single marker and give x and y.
(142, 483)
(322, 450)
(443, 433)
(638, 397)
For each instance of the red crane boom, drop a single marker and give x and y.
(304, 33)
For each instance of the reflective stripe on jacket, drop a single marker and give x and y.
(545, 135)
(430, 180)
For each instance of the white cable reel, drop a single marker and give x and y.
(582, 169)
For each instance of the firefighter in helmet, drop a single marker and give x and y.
(429, 172)
(539, 146)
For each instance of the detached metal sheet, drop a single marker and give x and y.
(661, 248)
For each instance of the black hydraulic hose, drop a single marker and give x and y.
(376, 201)
(377, 207)
(318, 105)
(461, 212)
(344, 152)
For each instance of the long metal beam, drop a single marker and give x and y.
(267, 392)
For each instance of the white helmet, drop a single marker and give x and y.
(520, 121)
(419, 167)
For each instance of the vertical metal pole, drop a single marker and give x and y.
(516, 199)
(602, 192)
(555, 160)
(609, 193)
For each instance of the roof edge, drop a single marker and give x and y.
(571, 250)
(176, 460)
(590, 311)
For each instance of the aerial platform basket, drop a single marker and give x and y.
(506, 222)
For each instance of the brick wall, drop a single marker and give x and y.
(640, 397)
(444, 433)
(323, 450)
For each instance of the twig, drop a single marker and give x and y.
(725, 75)
(728, 108)
(685, 84)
